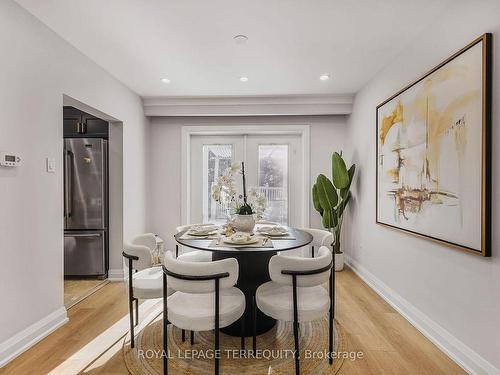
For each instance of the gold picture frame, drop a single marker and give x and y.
(416, 129)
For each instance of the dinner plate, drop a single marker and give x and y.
(275, 234)
(248, 242)
(201, 234)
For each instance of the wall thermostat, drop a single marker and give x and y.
(9, 159)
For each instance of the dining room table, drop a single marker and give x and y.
(253, 260)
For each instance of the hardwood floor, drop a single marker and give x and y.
(76, 290)
(91, 342)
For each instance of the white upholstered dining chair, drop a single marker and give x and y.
(205, 298)
(190, 256)
(194, 255)
(295, 294)
(144, 281)
(320, 237)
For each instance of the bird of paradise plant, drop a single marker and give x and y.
(330, 197)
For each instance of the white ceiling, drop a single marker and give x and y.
(291, 42)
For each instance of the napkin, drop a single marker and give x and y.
(240, 237)
(273, 230)
(202, 228)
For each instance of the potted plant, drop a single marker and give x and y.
(242, 206)
(330, 198)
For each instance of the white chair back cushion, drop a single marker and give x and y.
(146, 239)
(279, 263)
(320, 237)
(180, 267)
(140, 251)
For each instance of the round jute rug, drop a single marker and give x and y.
(274, 351)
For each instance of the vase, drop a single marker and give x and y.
(244, 223)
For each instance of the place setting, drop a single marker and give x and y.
(201, 232)
(241, 240)
(276, 232)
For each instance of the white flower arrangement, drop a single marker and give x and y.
(224, 192)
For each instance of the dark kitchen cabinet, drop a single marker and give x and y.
(79, 124)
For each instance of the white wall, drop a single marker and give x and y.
(115, 231)
(449, 293)
(36, 69)
(328, 134)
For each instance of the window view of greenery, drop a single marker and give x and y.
(217, 158)
(273, 181)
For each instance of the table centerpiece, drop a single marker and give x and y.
(241, 209)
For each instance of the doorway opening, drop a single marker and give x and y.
(276, 165)
(86, 208)
(93, 217)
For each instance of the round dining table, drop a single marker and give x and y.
(253, 270)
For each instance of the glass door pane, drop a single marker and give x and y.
(210, 157)
(275, 168)
(216, 159)
(273, 180)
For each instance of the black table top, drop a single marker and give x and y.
(302, 238)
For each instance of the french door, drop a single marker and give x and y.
(273, 166)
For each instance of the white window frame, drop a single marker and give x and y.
(268, 129)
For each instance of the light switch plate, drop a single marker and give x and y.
(51, 165)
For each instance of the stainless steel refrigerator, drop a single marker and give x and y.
(85, 206)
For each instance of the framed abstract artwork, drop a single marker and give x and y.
(434, 153)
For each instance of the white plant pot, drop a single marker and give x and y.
(339, 258)
(339, 262)
(244, 223)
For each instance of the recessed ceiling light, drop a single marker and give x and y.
(243, 79)
(240, 39)
(165, 80)
(324, 77)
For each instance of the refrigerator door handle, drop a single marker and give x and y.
(66, 182)
(92, 235)
(69, 184)
(105, 186)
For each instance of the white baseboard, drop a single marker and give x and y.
(463, 355)
(115, 274)
(22, 341)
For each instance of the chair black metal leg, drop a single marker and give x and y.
(131, 303)
(183, 335)
(254, 324)
(333, 286)
(331, 315)
(165, 327)
(131, 311)
(330, 340)
(242, 331)
(216, 326)
(297, 349)
(192, 337)
(296, 326)
(136, 311)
